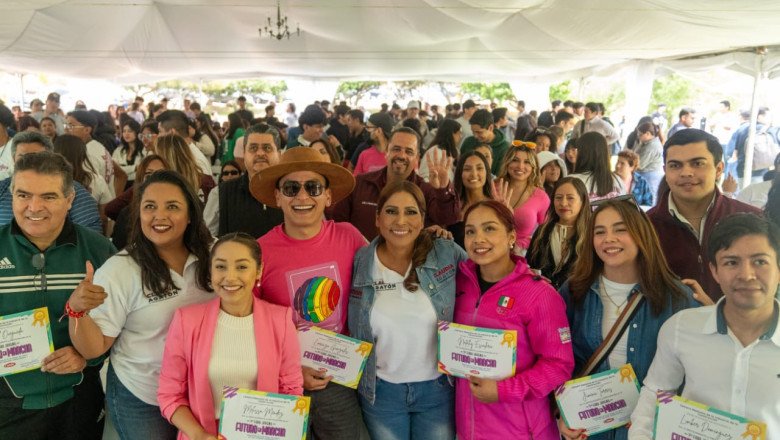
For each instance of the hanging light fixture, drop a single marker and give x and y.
(282, 28)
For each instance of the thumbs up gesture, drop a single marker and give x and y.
(87, 296)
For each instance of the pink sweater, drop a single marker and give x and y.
(544, 354)
(529, 215)
(184, 379)
(369, 160)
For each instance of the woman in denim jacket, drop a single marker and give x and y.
(403, 284)
(620, 257)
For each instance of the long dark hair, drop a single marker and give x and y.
(243, 239)
(424, 242)
(235, 122)
(138, 148)
(656, 280)
(155, 274)
(460, 190)
(75, 151)
(204, 120)
(593, 157)
(443, 138)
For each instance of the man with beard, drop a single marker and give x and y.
(231, 207)
(359, 208)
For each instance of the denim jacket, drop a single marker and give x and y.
(436, 279)
(586, 334)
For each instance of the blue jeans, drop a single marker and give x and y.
(411, 411)
(133, 418)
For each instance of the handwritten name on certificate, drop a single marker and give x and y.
(677, 418)
(337, 355)
(25, 339)
(599, 402)
(257, 415)
(473, 351)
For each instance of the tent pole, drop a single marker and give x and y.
(21, 86)
(747, 174)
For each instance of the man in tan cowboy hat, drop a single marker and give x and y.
(307, 257)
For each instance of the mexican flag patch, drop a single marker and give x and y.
(506, 302)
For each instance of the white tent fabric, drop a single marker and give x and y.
(130, 41)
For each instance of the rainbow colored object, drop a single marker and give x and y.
(317, 299)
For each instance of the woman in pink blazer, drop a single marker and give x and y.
(234, 340)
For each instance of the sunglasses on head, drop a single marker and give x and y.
(231, 173)
(518, 143)
(291, 188)
(624, 198)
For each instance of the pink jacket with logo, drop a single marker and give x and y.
(184, 376)
(530, 305)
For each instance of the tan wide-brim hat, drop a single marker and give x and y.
(340, 180)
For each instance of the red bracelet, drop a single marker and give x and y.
(72, 313)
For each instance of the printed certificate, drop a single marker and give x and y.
(473, 351)
(682, 419)
(599, 402)
(257, 415)
(25, 340)
(334, 354)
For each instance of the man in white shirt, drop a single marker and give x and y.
(726, 354)
(593, 122)
(175, 121)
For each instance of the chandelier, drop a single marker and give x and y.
(282, 28)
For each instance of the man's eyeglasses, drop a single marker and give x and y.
(291, 188)
(624, 198)
(39, 263)
(230, 173)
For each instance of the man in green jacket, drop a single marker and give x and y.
(485, 132)
(43, 257)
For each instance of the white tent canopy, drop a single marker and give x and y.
(460, 40)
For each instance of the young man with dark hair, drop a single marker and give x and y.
(686, 214)
(686, 118)
(469, 107)
(593, 122)
(312, 124)
(338, 132)
(737, 341)
(485, 132)
(357, 133)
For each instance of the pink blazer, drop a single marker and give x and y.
(184, 375)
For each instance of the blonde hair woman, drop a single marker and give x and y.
(174, 149)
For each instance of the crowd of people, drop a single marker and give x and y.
(183, 281)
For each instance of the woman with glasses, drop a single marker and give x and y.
(230, 170)
(554, 246)
(131, 149)
(406, 277)
(529, 202)
(149, 132)
(594, 169)
(445, 142)
(497, 290)
(234, 340)
(132, 298)
(648, 147)
(620, 263)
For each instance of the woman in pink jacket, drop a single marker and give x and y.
(497, 290)
(234, 340)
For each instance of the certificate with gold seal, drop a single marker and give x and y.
(599, 402)
(334, 354)
(465, 350)
(257, 415)
(678, 418)
(25, 340)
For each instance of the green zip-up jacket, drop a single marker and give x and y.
(499, 146)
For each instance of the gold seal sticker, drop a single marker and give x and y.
(754, 430)
(301, 405)
(509, 339)
(364, 349)
(626, 374)
(40, 317)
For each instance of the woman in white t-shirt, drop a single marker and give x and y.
(130, 150)
(133, 296)
(620, 261)
(75, 151)
(403, 284)
(594, 168)
(444, 144)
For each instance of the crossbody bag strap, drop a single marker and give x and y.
(614, 335)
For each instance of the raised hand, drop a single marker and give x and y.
(63, 361)
(87, 296)
(730, 184)
(439, 166)
(503, 193)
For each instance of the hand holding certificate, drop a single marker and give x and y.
(334, 354)
(257, 415)
(25, 340)
(599, 402)
(677, 418)
(473, 351)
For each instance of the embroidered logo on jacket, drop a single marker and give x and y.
(5, 263)
(444, 273)
(506, 302)
(565, 334)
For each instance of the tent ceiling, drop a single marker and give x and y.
(141, 40)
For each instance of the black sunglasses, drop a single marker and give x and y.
(39, 263)
(291, 188)
(231, 173)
